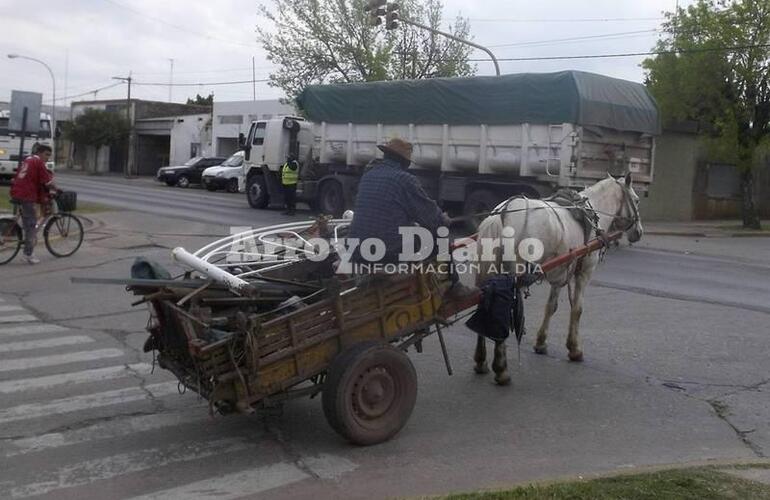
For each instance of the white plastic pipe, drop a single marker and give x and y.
(209, 270)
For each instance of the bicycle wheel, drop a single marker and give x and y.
(63, 235)
(10, 240)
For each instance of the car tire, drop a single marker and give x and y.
(256, 192)
(232, 186)
(183, 181)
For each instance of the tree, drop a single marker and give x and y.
(202, 101)
(97, 128)
(332, 41)
(715, 71)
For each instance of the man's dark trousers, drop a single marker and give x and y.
(290, 197)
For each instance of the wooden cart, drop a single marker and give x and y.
(347, 342)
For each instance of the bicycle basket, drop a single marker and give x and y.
(67, 201)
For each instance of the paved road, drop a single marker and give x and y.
(146, 195)
(676, 370)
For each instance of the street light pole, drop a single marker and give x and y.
(53, 96)
(455, 38)
(378, 9)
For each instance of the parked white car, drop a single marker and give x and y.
(227, 176)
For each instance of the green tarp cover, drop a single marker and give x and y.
(538, 98)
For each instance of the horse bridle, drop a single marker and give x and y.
(627, 202)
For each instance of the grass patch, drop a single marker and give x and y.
(703, 483)
(83, 208)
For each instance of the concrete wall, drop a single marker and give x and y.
(235, 117)
(677, 155)
(188, 130)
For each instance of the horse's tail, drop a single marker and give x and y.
(488, 250)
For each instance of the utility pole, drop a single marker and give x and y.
(253, 79)
(378, 9)
(130, 153)
(171, 81)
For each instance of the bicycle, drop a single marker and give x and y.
(62, 231)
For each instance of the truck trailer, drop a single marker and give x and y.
(477, 140)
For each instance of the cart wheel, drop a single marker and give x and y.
(369, 393)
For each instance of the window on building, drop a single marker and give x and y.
(267, 117)
(195, 149)
(231, 119)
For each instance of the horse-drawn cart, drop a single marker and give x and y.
(267, 326)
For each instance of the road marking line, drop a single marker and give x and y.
(9, 365)
(11, 308)
(45, 343)
(95, 375)
(11, 331)
(240, 484)
(22, 318)
(85, 402)
(100, 469)
(98, 432)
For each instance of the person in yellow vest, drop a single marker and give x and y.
(289, 178)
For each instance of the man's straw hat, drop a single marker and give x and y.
(398, 147)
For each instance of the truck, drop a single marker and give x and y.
(10, 142)
(477, 140)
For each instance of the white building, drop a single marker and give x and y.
(234, 117)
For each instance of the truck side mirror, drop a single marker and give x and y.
(241, 141)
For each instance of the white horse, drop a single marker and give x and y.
(617, 207)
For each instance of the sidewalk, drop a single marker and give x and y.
(705, 229)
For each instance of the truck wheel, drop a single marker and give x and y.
(369, 393)
(232, 186)
(331, 199)
(479, 201)
(256, 191)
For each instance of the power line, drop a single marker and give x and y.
(583, 20)
(198, 84)
(94, 91)
(176, 26)
(736, 48)
(575, 38)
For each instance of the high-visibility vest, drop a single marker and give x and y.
(288, 176)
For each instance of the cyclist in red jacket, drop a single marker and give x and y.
(32, 185)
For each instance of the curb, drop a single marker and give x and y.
(716, 234)
(762, 463)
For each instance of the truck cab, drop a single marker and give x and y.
(10, 143)
(265, 149)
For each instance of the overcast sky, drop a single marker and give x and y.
(214, 41)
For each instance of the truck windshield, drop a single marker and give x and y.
(44, 133)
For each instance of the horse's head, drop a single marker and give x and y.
(627, 218)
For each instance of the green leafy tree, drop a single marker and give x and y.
(715, 71)
(98, 128)
(332, 41)
(202, 101)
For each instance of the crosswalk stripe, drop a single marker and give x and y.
(45, 343)
(95, 375)
(100, 469)
(21, 318)
(240, 484)
(11, 308)
(107, 430)
(34, 329)
(9, 365)
(85, 402)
